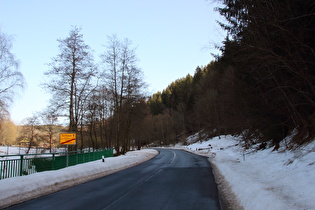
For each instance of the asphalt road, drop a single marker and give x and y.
(174, 179)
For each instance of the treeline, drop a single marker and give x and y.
(34, 133)
(98, 100)
(102, 102)
(262, 86)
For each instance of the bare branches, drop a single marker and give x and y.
(11, 79)
(124, 82)
(71, 74)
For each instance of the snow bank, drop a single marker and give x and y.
(263, 179)
(18, 189)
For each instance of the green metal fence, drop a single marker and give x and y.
(19, 165)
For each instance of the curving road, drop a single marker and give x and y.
(174, 179)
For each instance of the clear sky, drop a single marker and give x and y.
(172, 37)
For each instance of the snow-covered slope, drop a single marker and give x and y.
(17, 189)
(263, 179)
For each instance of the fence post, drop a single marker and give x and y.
(76, 157)
(53, 161)
(21, 165)
(67, 157)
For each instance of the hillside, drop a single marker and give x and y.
(261, 179)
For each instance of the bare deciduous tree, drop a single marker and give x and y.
(50, 127)
(71, 74)
(124, 81)
(30, 131)
(11, 79)
(8, 132)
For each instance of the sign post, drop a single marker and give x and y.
(67, 139)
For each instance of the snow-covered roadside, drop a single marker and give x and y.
(262, 179)
(18, 189)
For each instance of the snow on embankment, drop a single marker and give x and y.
(263, 179)
(18, 189)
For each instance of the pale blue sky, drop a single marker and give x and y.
(172, 37)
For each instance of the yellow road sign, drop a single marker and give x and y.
(67, 138)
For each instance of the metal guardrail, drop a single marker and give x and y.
(25, 164)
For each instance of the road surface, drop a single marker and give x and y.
(174, 179)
